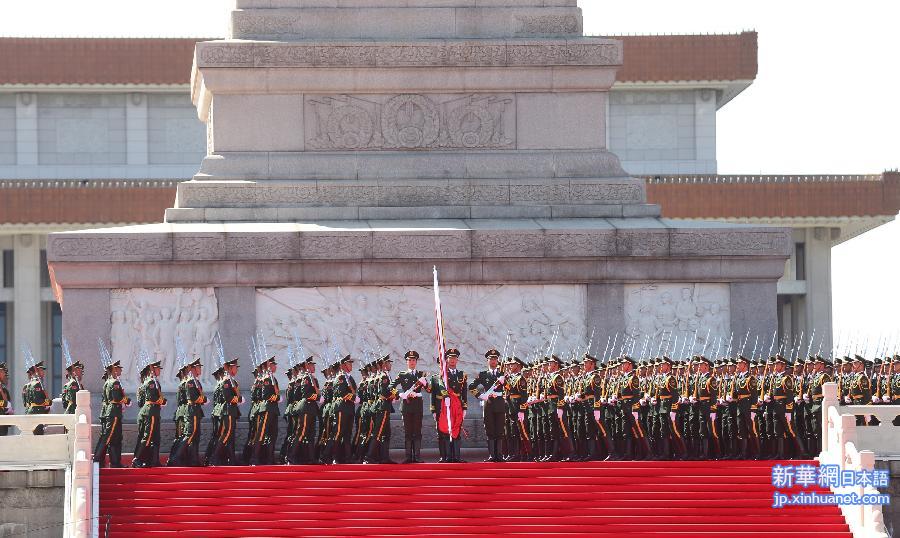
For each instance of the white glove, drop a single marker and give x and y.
(521, 416)
(484, 396)
(356, 400)
(653, 401)
(165, 404)
(423, 381)
(712, 417)
(876, 399)
(752, 415)
(806, 398)
(643, 403)
(501, 379)
(796, 399)
(413, 395)
(729, 399)
(768, 398)
(693, 399)
(320, 400)
(720, 401)
(559, 412)
(597, 415)
(128, 404)
(635, 415)
(530, 399)
(672, 415)
(240, 399)
(464, 414)
(279, 399)
(846, 399)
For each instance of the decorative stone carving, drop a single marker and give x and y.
(730, 243)
(151, 319)
(547, 24)
(126, 247)
(408, 121)
(394, 319)
(671, 314)
(587, 51)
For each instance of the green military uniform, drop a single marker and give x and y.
(70, 389)
(227, 411)
(813, 397)
(306, 394)
(457, 383)
(113, 400)
(188, 451)
(515, 392)
(35, 397)
(267, 413)
(410, 384)
(382, 394)
(488, 386)
(150, 399)
(344, 395)
(779, 389)
(664, 393)
(255, 397)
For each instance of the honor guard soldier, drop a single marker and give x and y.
(383, 395)
(114, 399)
(228, 413)
(34, 395)
(409, 384)
(255, 404)
(292, 401)
(813, 398)
(449, 442)
(150, 400)
(267, 415)
(363, 420)
(560, 442)
(188, 452)
(663, 393)
(302, 449)
(345, 399)
(325, 441)
(893, 394)
(6, 407)
(216, 401)
(74, 372)
(741, 396)
(591, 396)
(778, 396)
(859, 386)
(515, 392)
(490, 393)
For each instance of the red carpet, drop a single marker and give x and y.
(638, 499)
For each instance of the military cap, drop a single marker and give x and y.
(491, 353)
(112, 365)
(876, 362)
(626, 358)
(452, 352)
(664, 360)
(309, 360)
(588, 357)
(386, 358)
(3, 367)
(411, 355)
(517, 360)
(347, 358)
(145, 369)
(76, 364)
(554, 358)
(232, 362)
(196, 362)
(780, 358)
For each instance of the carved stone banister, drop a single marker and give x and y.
(840, 447)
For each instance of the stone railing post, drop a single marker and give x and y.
(847, 434)
(82, 491)
(830, 399)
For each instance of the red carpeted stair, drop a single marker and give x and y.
(638, 499)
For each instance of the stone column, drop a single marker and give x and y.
(237, 323)
(85, 318)
(605, 312)
(753, 307)
(26, 129)
(136, 134)
(818, 285)
(26, 307)
(705, 131)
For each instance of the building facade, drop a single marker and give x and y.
(97, 132)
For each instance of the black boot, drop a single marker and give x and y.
(628, 449)
(385, 454)
(779, 448)
(662, 449)
(417, 447)
(456, 445)
(741, 453)
(443, 450)
(408, 450)
(115, 457)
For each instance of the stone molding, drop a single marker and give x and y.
(431, 53)
(410, 240)
(388, 193)
(399, 22)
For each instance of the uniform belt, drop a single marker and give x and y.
(703, 398)
(779, 397)
(663, 397)
(743, 396)
(552, 396)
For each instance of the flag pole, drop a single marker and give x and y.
(442, 350)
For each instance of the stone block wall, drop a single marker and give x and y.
(176, 136)
(31, 503)
(892, 511)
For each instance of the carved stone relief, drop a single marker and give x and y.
(409, 122)
(394, 319)
(151, 319)
(671, 314)
(547, 24)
